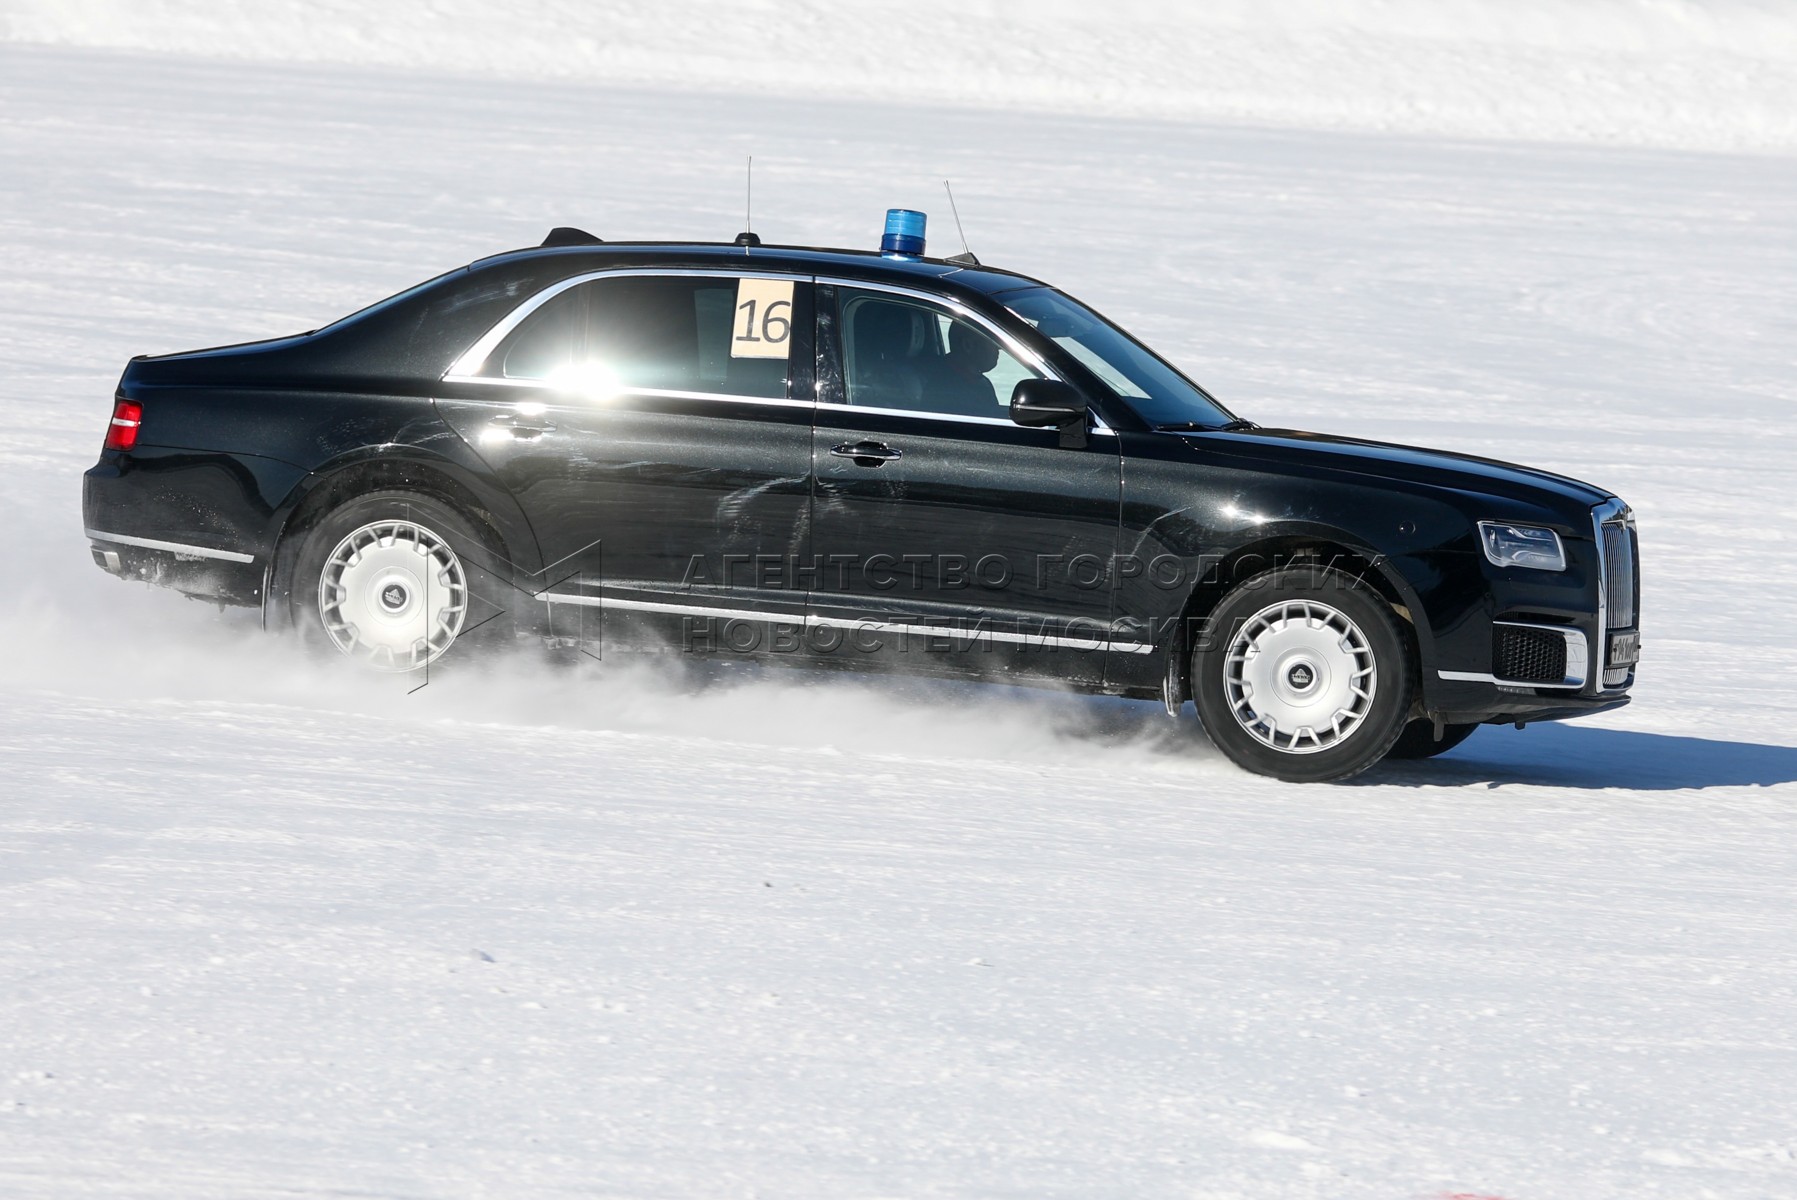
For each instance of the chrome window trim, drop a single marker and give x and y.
(540, 385)
(1018, 350)
(467, 368)
(831, 406)
(121, 539)
(1577, 654)
(1098, 425)
(1096, 641)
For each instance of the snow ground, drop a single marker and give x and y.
(264, 932)
(1711, 74)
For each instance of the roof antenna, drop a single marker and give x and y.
(966, 255)
(747, 237)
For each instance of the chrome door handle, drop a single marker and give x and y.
(522, 427)
(867, 453)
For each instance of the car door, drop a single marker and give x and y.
(945, 537)
(655, 427)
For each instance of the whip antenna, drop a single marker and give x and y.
(966, 255)
(747, 237)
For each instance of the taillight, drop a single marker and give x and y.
(127, 415)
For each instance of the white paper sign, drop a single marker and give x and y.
(763, 327)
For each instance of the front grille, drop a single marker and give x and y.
(1619, 574)
(1524, 655)
(1622, 592)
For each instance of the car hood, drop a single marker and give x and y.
(1301, 451)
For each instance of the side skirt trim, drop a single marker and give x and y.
(812, 621)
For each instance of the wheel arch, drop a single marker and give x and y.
(1327, 548)
(511, 541)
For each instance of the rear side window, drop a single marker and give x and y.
(716, 335)
(549, 341)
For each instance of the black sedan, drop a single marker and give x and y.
(877, 461)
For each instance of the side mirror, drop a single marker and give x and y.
(1051, 404)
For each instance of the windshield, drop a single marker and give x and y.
(1159, 394)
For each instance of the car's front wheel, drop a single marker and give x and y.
(390, 580)
(1304, 675)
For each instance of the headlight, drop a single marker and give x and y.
(1510, 545)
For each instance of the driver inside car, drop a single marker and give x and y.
(961, 386)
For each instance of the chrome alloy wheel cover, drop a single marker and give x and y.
(393, 594)
(1300, 677)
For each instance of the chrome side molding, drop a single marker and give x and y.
(181, 548)
(1095, 641)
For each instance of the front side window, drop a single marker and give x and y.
(1158, 393)
(716, 335)
(909, 354)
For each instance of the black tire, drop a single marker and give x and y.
(455, 544)
(1273, 613)
(1419, 741)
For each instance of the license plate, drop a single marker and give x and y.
(1625, 649)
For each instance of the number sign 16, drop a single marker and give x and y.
(763, 326)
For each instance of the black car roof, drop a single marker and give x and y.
(439, 318)
(866, 265)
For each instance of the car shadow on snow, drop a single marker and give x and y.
(1569, 755)
(1547, 754)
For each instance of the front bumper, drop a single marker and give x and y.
(1550, 657)
(1489, 706)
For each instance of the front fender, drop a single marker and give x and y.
(1199, 525)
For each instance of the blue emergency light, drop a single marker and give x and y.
(904, 233)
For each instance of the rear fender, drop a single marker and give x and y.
(511, 555)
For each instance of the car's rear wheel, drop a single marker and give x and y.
(391, 581)
(1419, 741)
(1305, 675)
